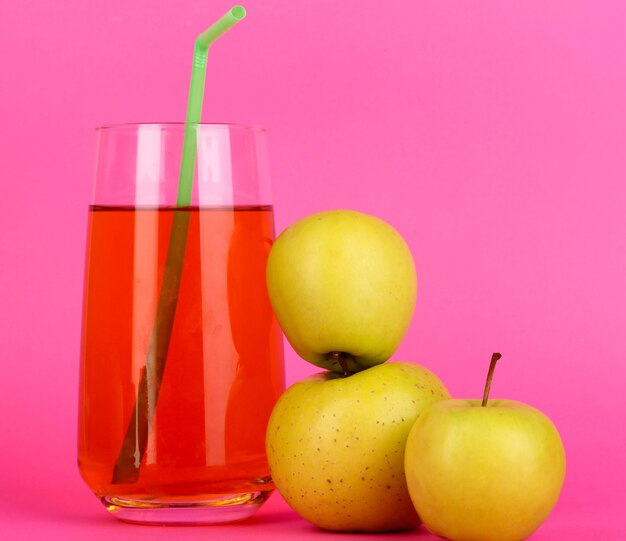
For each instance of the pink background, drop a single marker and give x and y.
(491, 134)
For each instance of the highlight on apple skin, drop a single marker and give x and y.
(335, 445)
(343, 287)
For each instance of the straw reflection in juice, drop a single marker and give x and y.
(224, 369)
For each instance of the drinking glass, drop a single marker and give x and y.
(181, 358)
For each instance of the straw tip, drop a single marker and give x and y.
(239, 12)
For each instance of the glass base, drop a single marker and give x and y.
(224, 508)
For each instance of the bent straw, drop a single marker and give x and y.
(126, 469)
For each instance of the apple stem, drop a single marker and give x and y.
(341, 359)
(492, 366)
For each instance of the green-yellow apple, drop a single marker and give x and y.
(335, 445)
(343, 287)
(484, 471)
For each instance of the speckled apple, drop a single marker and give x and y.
(335, 445)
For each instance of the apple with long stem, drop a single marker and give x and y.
(488, 470)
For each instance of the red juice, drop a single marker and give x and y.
(224, 368)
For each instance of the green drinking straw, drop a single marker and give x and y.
(196, 94)
(126, 469)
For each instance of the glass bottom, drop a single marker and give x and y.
(223, 508)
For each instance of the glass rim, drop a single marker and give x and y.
(219, 125)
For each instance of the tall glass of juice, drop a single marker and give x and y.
(181, 358)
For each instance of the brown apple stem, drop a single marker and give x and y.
(492, 366)
(341, 359)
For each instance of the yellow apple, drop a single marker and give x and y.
(335, 445)
(484, 473)
(343, 287)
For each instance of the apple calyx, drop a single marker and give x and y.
(341, 358)
(492, 366)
